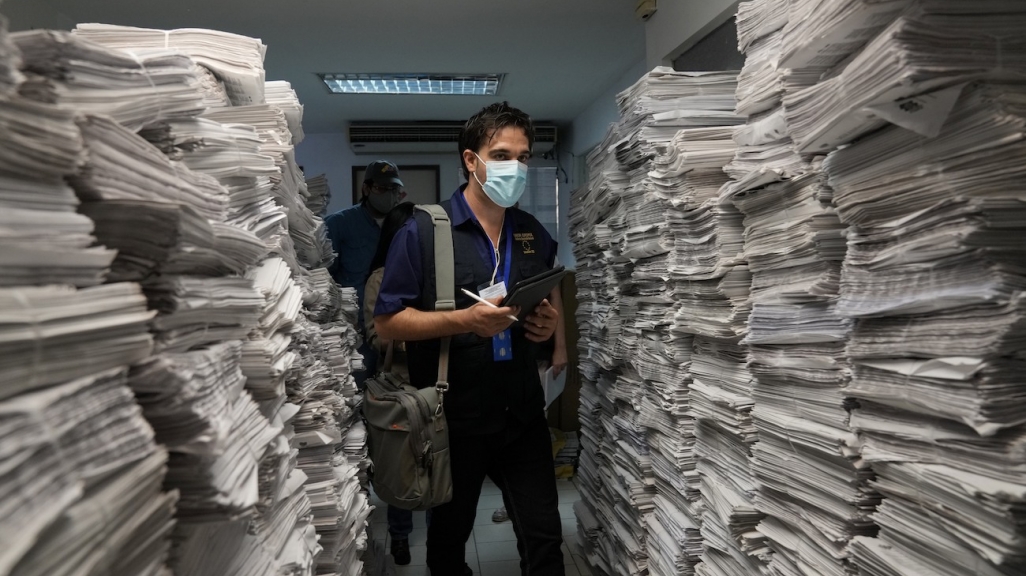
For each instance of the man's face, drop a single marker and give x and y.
(509, 143)
(380, 189)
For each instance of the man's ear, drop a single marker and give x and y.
(470, 161)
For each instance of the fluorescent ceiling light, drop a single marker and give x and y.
(460, 84)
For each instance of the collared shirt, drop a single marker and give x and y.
(400, 286)
(354, 236)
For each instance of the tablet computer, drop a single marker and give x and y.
(529, 292)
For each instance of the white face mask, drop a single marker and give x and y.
(505, 182)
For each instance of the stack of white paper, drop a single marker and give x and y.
(280, 94)
(133, 89)
(820, 33)
(65, 444)
(934, 278)
(188, 397)
(195, 311)
(898, 76)
(659, 260)
(53, 334)
(289, 187)
(664, 101)
(192, 206)
(318, 194)
(266, 356)
(222, 484)
(120, 525)
(44, 241)
(236, 60)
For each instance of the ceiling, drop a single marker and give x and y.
(558, 55)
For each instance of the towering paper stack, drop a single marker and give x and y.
(82, 476)
(934, 279)
(253, 356)
(635, 228)
(810, 484)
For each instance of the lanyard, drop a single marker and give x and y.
(509, 253)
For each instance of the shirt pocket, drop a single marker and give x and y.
(529, 268)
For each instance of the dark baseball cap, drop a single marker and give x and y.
(383, 173)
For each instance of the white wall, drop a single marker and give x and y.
(588, 129)
(679, 24)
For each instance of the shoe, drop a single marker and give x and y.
(467, 571)
(401, 552)
(500, 515)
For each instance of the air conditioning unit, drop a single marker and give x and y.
(425, 137)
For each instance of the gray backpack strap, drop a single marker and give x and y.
(445, 285)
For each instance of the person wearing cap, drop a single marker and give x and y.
(354, 234)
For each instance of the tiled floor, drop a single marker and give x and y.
(492, 549)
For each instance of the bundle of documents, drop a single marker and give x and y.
(188, 397)
(157, 237)
(220, 150)
(221, 485)
(217, 548)
(50, 247)
(133, 89)
(760, 86)
(899, 77)
(318, 194)
(53, 334)
(322, 297)
(288, 186)
(41, 145)
(65, 443)
(721, 401)
(281, 95)
(237, 61)
(266, 357)
(120, 525)
(759, 19)
(820, 34)
(196, 311)
(120, 165)
(43, 240)
(664, 101)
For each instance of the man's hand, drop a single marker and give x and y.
(541, 323)
(486, 321)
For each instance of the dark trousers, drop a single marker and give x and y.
(519, 460)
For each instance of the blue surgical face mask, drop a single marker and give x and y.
(505, 182)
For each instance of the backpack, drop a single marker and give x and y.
(407, 434)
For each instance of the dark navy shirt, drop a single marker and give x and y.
(400, 286)
(354, 236)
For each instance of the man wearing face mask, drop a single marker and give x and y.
(354, 234)
(495, 403)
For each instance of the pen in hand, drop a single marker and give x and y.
(486, 303)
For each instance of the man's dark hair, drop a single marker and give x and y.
(482, 127)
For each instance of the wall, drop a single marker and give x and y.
(717, 51)
(678, 24)
(330, 154)
(587, 130)
(29, 14)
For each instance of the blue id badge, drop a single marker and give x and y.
(502, 346)
(502, 343)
